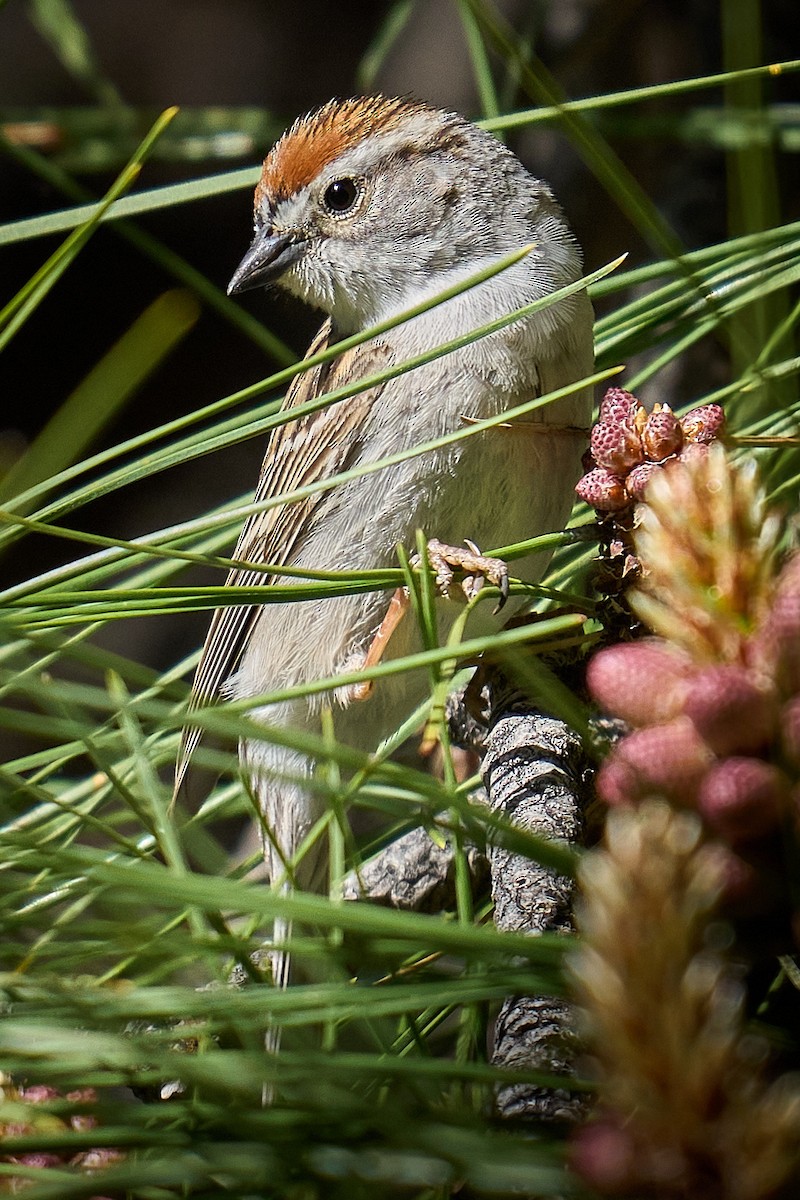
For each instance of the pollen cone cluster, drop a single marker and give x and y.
(685, 1111)
(630, 446)
(31, 1117)
(714, 698)
(700, 846)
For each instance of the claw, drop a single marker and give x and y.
(477, 568)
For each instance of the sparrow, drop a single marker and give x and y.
(364, 209)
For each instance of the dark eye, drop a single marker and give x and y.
(340, 196)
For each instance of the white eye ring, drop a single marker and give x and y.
(341, 196)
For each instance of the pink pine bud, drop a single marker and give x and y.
(100, 1158)
(37, 1158)
(616, 783)
(617, 447)
(636, 481)
(605, 1155)
(731, 714)
(618, 407)
(14, 1129)
(742, 798)
(38, 1093)
(662, 435)
(776, 646)
(83, 1122)
(643, 682)
(742, 887)
(704, 424)
(790, 731)
(663, 760)
(602, 490)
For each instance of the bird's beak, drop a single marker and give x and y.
(269, 256)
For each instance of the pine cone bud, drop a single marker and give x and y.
(662, 435)
(742, 884)
(790, 731)
(776, 646)
(37, 1158)
(703, 424)
(605, 1155)
(643, 683)
(731, 714)
(38, 1093)
(742, 798)
(618, 406)
(637, 480)
(616, 447)
(616, 783)
(667, 760)
(602, 490)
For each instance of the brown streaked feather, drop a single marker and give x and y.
(320, 137)
(315, 446)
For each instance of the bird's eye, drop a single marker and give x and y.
(340, 196)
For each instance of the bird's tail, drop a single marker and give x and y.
(281, 976)
(308, 875)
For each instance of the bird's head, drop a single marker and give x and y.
(365, 203)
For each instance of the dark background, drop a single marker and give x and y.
(286, 58)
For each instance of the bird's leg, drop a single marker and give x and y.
(398, 606)
(445, 561)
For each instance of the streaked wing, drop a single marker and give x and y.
(300, 452)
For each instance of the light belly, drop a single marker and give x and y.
(493, 498)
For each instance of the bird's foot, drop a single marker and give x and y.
(446, 561)
(476, 569)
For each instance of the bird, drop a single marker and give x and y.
(365, 208)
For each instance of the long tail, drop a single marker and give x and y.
(281, 976)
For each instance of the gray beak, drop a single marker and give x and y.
(269, 256)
